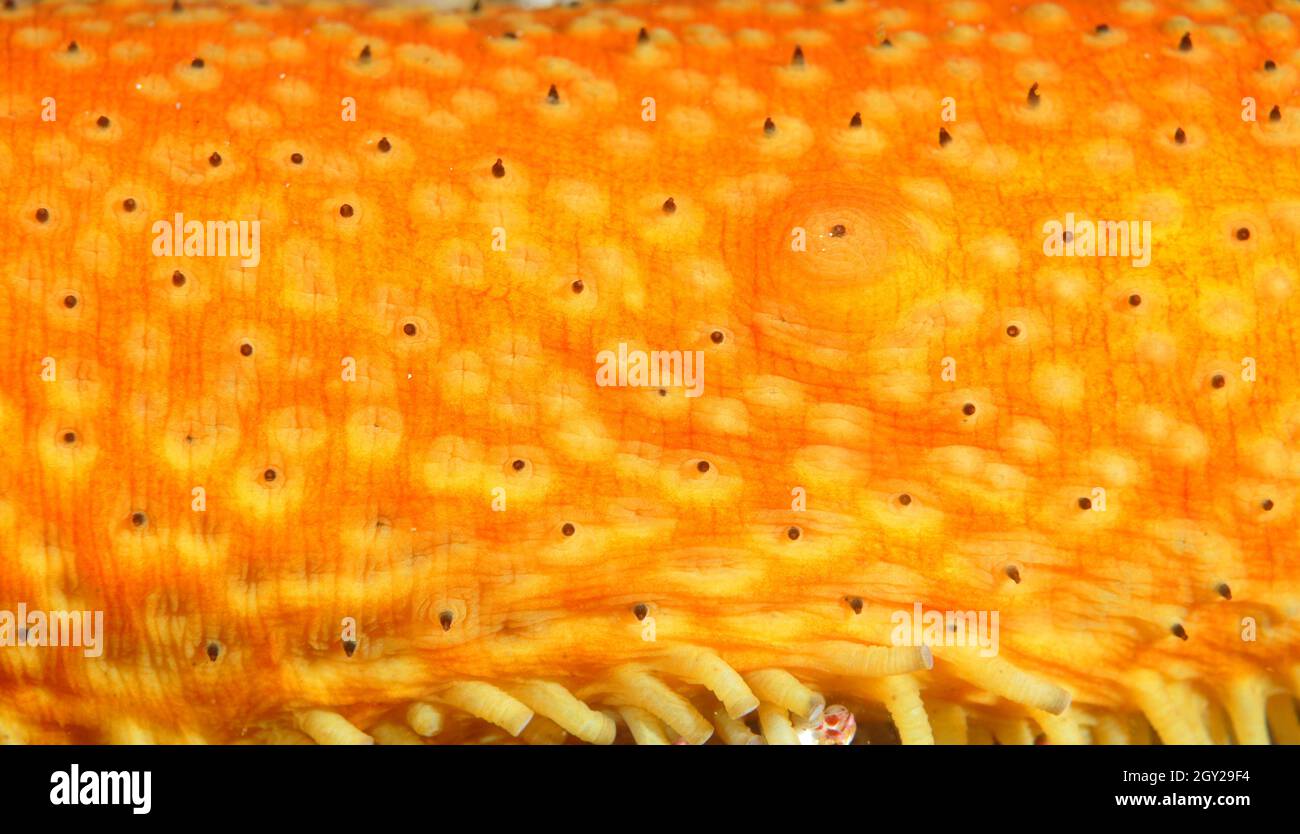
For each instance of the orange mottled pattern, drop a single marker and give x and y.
(393, 419)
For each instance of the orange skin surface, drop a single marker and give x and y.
(843, 373)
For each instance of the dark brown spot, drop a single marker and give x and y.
(838, 230)
(886, 43)
(69, 301)
(215, 159)
(944, 137)
(72, 47)
(444, 619)
(518, 465)
(214, 649)
(643, 36)
(1218, 381)
(1134, 300)
(178, 280)
(1013, 573)
(10, 5)
(703, 466)
(1180, 136)
(365, 54)
(138, 519)
(296, 159)
(1243, 233)
(409, 329)
(1267, 504)
(856, 604)
(568, 529)
(717, 337)
(1085, 503)
(269, 475)
(1101, 29)
(128, 204)
(197, 63)
(797, 58)
(349, 646)
(1224, 590)
(640, 610)
(346, 210)
(246, 349)
(793, 533)
(905, 499)
(552, 95)
(69, 437)
(384, 145)
(1033, 98)
(1067, 236)
(769, 126)
(1185, 45)
(498, 170)
(968, 409)
(1275, 115)
(1013, 331)
(1270, 65)
(670, 206)
(1179, 631)
(42, 215)
(176, 6)
(856, 121)
(103, 122)
(577, 286)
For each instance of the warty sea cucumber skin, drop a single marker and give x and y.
(369, 488)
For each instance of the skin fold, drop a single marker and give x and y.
(371, 488)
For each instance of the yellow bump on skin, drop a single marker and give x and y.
(963, 35)
(1058, 386)
(1016, 43)
(156, 88)
(1046, 17)
(689, 125)
(962, 69)
(754, 38)
(1109, 157)
(404, 101)
(1137, 10)
(250, 117)
(707, 36)
(293, 92)
(33, 37)
(129, 52)
(288, 50)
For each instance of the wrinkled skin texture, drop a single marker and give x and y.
(874, 375)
